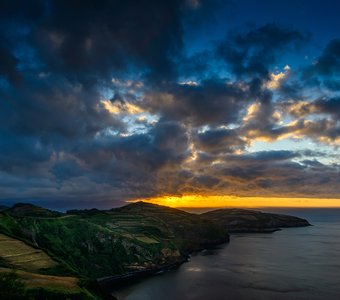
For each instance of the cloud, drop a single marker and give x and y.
(107, 100)
(103, 40)
(329, 62)
(220, 141)
(108, 37)
(211, 102)
(316, 119)
(276, 79)
(253, 52)
(8, 66)
(325, 70)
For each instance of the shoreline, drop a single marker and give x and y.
(109, 284)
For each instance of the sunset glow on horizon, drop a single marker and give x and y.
(202, 201)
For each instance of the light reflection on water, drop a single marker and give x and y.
(295, 263)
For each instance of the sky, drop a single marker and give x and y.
(185, 103)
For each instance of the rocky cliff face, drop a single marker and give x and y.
(242, 220)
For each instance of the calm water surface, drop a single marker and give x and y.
(296, 263)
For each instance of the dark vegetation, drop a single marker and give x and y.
(242, 220)
(12, 287)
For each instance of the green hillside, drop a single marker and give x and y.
(95, 243)
(20, 265)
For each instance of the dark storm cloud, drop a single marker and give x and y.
(59, 51)
(330, 106)
(326, 69)
(264, 173)
(21, 153)
(106, 99)
(18, 11)
(66, 169)
(220, 141)
(252, 53)
(273, 172)
(86, 39)
(329, 62)
(105, 36)
(164, 146)
(51, 107)
(211, 102)
(137, 159)
(8, 66)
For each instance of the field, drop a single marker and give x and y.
(19, 255)
(26, 262)
(33, 280)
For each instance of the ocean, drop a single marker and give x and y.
(295, 263)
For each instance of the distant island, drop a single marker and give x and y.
(81, 254)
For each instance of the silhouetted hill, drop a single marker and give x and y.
(30, 210)
(242, 220)
(3, 207)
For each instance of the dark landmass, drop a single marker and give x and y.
(100, 248)
(2, 207)
(248, 221)
(30, 210)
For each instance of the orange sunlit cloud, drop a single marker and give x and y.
(200, 201)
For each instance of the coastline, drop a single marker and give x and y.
(253, 266)
(109, 283)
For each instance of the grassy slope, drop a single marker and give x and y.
(102, 243)
(33, 280)
(27, 262)
(189, 231)
(19, 255)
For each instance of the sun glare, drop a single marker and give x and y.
(200, 201)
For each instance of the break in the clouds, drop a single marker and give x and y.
(116, 100)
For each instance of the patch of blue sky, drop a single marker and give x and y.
(325, 154)
(139, 124)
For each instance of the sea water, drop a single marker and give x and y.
(295, 263)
